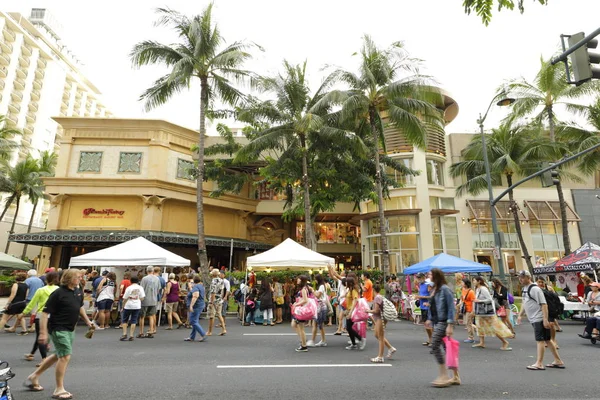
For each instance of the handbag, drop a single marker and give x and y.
(279, 300)
(484, 309)
(452, 352)
(501, 311)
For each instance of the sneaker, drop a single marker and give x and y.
(351, 347)
(362, 344)
(469, 341)
(302, 349)
(349, 341)
(321, 344)
(310, 343)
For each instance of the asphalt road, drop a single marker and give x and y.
(168, 368)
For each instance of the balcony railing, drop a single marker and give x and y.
(8, 35)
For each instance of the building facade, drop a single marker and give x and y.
(39, 79)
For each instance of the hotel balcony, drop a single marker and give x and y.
(28, 130)
(24, 62)
(30, 117)
(26, 50)
(11, 117)
(41, 63)
(4, 59)
(22, 72)
(8, 35)
(16, 95)
(26, 141)
(2, 84)
(37, 84)
(33, 106)
(15, 109)
(3, 72)
(39, 73)
(6, 47)
(35, 94)
(19, 84)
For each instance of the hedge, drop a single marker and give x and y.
(284, 275)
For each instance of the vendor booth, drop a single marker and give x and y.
(448, 264)
(585, 258)
(10, 262)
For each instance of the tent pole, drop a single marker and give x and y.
(230, 257)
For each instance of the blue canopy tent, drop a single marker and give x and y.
(448, 264)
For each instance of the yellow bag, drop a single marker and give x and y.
(279, 301)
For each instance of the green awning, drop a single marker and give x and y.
(77, 237)
(11, 262)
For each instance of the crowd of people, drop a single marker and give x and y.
(55, 302)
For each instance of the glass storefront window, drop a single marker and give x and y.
(330, 232)
(435, 173)
(445, 235)
(547, 238)
(398, 177)
(483, 236)
(397, 224)
(402, 239)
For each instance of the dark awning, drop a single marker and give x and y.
(74, 237)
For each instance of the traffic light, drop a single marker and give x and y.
(549, 178)
(582, 61)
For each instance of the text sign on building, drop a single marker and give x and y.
(106, 213)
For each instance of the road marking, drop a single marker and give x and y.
(280, 334)
(303, 366)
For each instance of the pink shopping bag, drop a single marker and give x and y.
(360, 328)
(452, 350)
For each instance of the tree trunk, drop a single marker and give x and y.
(309, 229)
(515, 213)
(379, 185)
(202, 255)
(8, 203)
(35, 204)
(561, 197)
(12, 227)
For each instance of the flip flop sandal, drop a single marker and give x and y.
(149, 336)
(535, 368)
(223, 333)
(506, 348)
(63, 395)
(123, 338)
(426, 343)
(131, 339)
(557, 366)
(31, 387)
(338, 334)
(169, 329)
(141, 336)
(28, 357)
(377, 360)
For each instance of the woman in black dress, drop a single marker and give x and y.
(16, 304)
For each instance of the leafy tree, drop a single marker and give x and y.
(200, 57)
(538, 102)
(46, 165)
(483, 8)
(512, 152)
(408, 102)
(7, 134)
(18, 181)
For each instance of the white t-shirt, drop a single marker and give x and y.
(134, 295)
(323, 292)
(108, 291)
(227, 285)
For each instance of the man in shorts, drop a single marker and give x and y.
(215, 304)
(151, 285)
(60, 315)
(536, 308)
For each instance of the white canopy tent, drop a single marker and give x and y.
(289, 255)
(136, 252)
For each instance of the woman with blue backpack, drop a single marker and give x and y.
(501, 298)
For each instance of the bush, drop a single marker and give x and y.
(284, 275)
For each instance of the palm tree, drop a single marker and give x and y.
(18, 181)
(7, 133)
(199, 56)
(378, 87)
(46, 165)
(289, 122)
(538, 101)
(511, 152)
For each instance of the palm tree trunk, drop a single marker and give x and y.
(561, 196)
(515, 213)
(12, 227)
(8, 203)
(202, 256)
(309, 231)
(35, 204)
(379, 185)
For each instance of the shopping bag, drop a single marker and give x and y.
(452, 350)
(305, 312)
(360, 328)
(359, 313)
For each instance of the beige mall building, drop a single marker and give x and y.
(118, 178)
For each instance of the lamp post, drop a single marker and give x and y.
(504, 101)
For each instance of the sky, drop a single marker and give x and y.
(467, 59)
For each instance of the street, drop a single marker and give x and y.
(260, 363)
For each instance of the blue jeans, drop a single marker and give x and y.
(194, 321)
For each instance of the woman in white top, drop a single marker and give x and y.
(593, 297)
(342, 290)
(321, 295)
(486, 320)
(105, 299)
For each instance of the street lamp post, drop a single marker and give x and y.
(504, 101)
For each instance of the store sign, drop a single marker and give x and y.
(103, 213)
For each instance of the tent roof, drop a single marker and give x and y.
(448, 264)
(585, 258)
(289, 254)
(11, 262)
(138, 251)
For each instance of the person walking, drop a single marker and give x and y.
(266, 302)
(301, 300)
(441, 318)
(536, 308)
(226, 294)
(125, 283)
(541, 283)
(322, 299)
(466, 308)
(486, 320)
(279, 293)
(376, 313)
(17, 301)
(195, 305)
(423, 297)
(151, 285)
(132, 306)
(105, 299)
(215, 304)
(38, 302)
(63, 309)
(501, 299)
(171, 299)
(33, 284)
(184, 288)
(351, 300)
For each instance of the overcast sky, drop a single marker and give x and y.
(468, 60)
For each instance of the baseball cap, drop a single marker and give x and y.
(104, 273)
(420, 275)
(525, 273)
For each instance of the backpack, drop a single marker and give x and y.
(389, 312)
(238, 295)
(511, 298)
(555, 306)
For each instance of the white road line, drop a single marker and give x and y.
(303, 366)
(280, 334)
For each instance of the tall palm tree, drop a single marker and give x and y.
(538, 101)
(18, 181)
(290, 121)
(46, 165)
(511, 152)
(199, 56)
(387, 81)
(7, 133)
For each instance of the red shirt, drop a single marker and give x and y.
(125, 283)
